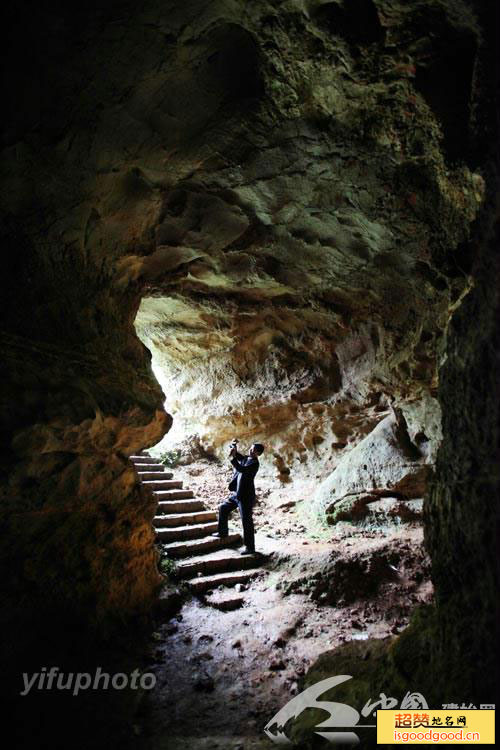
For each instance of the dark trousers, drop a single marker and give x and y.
(245, 508)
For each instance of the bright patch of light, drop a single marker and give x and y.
(177, 432)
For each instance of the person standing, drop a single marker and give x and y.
(243, 497)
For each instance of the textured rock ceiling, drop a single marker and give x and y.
(287, 186)
(307, 226)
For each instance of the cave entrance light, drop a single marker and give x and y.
(165, 326)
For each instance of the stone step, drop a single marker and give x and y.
(183, 519)
(199, 546)
(143, 475)
(221, 561)
(208, 583)
(144, 460)
(174, 495)
(191, 531)
(226, 601)
(180, 506)
(163, 484)
(157, 468)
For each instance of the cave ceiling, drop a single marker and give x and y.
(286, 188)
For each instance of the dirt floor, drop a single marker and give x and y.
(221, 676)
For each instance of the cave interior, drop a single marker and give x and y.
(275, 221)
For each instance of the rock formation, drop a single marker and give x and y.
(384, 464)
(301, 271)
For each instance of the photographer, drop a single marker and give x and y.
(243, 497)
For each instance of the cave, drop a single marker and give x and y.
(270, 221)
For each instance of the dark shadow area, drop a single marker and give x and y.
(355, 20)
(445, 81)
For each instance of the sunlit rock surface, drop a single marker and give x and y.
(384, 464)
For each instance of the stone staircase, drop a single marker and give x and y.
(184, 527)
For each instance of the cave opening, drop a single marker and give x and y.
(168, 329)
(339, 539)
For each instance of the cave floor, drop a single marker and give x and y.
(222, 675)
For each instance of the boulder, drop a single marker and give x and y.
(385, 463)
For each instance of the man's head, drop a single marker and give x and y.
(257, 449)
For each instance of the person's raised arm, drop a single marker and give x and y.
(234, 453)
(250, 468)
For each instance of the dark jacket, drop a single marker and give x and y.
(242, 482)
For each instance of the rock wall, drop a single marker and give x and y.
(78, 397)
(78, 394)
(461, 516)
(449, 652)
